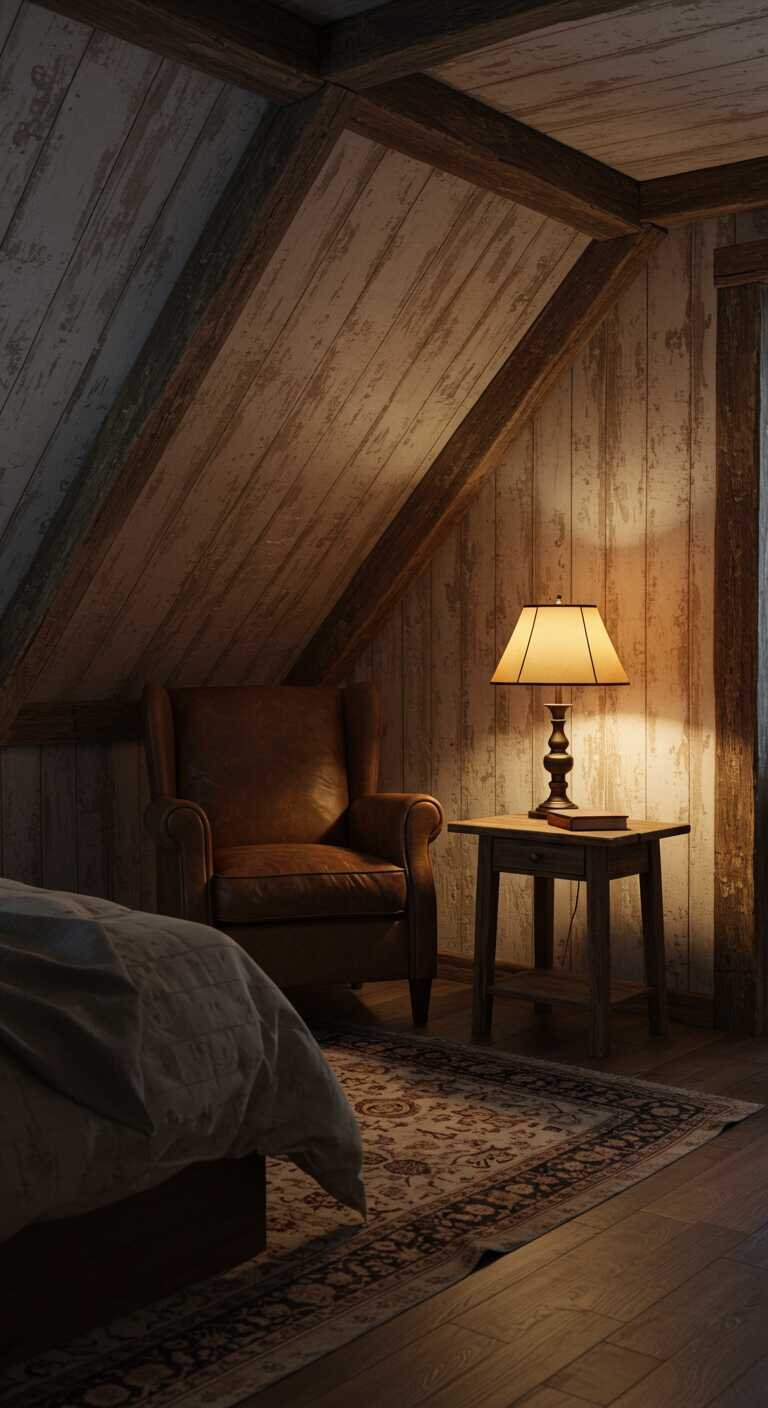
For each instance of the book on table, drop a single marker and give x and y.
(588, 819)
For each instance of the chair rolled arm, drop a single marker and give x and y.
(182, 832)
(176, 824)
(395, 826)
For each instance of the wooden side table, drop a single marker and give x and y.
(521, 845)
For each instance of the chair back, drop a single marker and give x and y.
(267, 764)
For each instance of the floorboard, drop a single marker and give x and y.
(656, 1298)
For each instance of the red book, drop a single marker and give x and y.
(588, 819)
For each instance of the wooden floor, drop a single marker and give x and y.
(656, 1299)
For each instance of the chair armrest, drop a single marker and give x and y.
(182, 832)
(395, 826)
(400, 827)
(176, 824)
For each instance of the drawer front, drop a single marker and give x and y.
(539, 858)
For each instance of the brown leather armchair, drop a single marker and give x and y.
(269, 826)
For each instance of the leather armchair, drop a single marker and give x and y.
(269, 826)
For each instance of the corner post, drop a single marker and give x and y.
(741, 658)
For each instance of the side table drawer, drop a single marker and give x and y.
(555, 860)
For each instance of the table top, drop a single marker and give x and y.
(523, 827)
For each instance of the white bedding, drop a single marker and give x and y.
(229, 1068)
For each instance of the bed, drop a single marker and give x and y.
(147, 1067)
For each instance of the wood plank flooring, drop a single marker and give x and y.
(656, 1299)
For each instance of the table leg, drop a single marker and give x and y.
(486, 921)
(543, 928)
(652, 905)
(598, 949)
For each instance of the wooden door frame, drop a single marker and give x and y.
(741, 641)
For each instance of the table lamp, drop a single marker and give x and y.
(559, 645)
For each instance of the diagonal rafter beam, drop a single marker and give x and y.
(408, 36)
(248, 42)
(474, 450)
(235, 248)
(434, 123)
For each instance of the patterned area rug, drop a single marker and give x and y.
(466, 1151)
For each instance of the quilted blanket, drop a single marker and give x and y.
(218, 1062)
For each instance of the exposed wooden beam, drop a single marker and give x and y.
(276, 52)
(246, 228)
(253, 44)
(741, 661)
(473, 452)
(102, 721)
(435, 124)
(714, 190)
(408, 36)
(741, 264)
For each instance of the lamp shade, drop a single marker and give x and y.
(559, 645)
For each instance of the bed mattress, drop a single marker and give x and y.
(226, 1068)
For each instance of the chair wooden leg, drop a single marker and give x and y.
(421, 991)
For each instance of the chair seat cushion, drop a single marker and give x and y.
(259, 884)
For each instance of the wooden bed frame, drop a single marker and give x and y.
(61, 1278)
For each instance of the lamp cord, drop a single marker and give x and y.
(567, 956)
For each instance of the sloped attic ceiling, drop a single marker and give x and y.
(387, 309)
(372, 324)
(653, 90)
(111, 161)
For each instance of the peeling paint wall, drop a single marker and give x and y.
(111, 160)
(608, 496)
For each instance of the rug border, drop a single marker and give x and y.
(741, 1108)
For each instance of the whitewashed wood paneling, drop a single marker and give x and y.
(606, 496)
(389, 306)
(111, 160)
(655, 89)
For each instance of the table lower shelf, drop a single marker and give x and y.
(554, 986)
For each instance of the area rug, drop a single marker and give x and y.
(467, 1151)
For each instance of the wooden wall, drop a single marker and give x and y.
(607, 497)
(71, 819)
(111, 160)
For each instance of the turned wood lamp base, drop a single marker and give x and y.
(558, 763)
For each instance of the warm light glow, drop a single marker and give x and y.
(566, 645)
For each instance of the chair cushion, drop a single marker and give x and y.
(258, 884)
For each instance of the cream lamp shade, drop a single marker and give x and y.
(559, 645)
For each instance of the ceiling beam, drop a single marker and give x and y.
(474, 450)
(248, 42)
(277, 53)
(449, 130)
(736, 264)
(714, 190)
(408, 36)
(252, 217)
